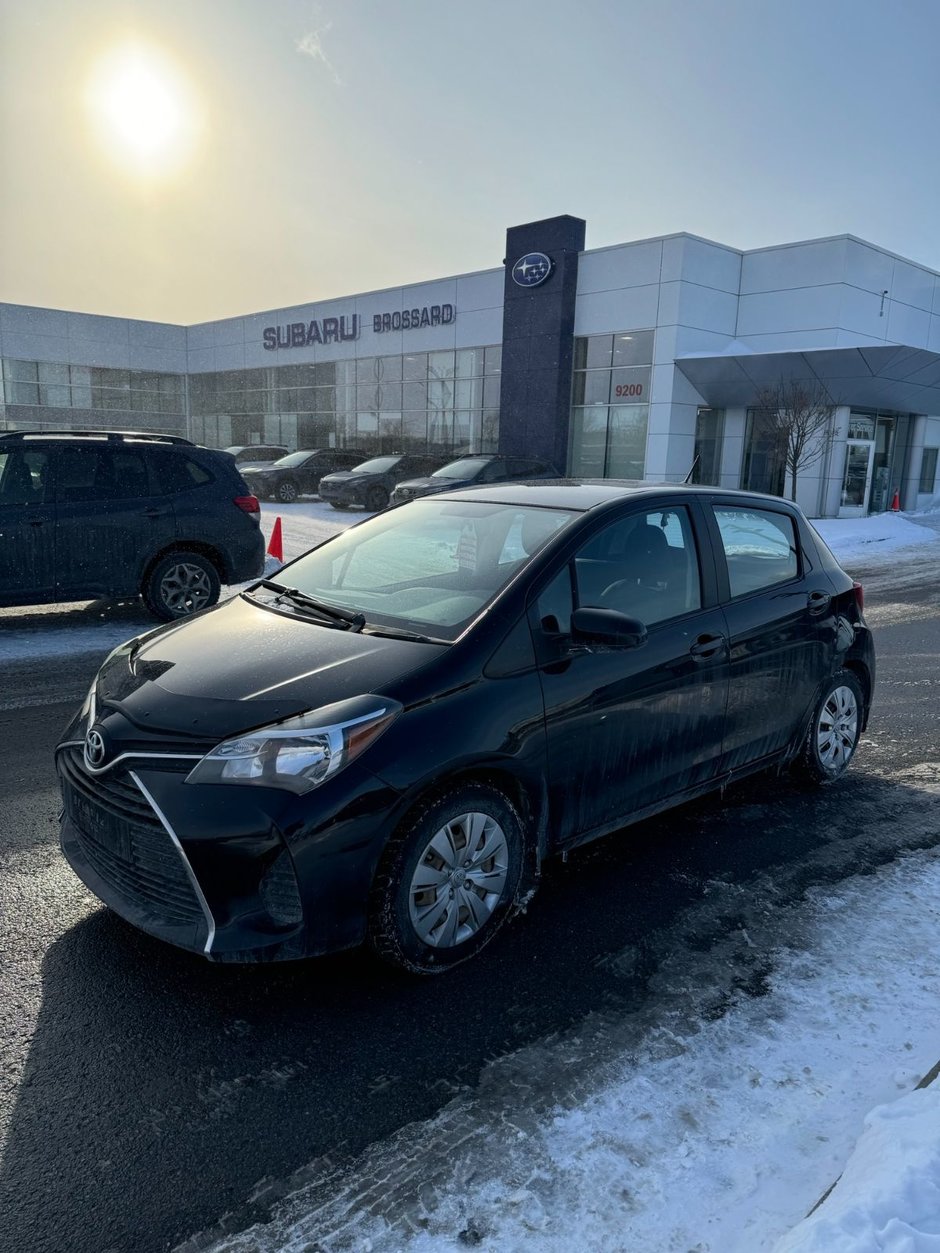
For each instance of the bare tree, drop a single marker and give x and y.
(798, 417)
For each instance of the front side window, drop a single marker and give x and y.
(23, 476)
(645, 565)
(431, 567)
(759, 547)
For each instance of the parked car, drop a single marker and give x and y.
(385, 742)
(255, 454)
(468, 471)
(299, 473)
(94, 514)
(370, 484)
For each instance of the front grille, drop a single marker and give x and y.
(125, 842)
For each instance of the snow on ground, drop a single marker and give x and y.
(880, 537)
(695, 1133)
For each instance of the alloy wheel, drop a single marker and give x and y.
(185, 588)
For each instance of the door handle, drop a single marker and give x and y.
(156, 513)
(707, 646)
(818, 602)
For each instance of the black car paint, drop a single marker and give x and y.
(543, 718)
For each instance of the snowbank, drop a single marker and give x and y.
(880, 536)
(889, 1195)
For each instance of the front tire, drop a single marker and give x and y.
(180, 584)
(447, 880)
(338, 505)
(287, 492)
(377, 499)
(834, 731)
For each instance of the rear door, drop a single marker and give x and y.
(108, 522)
(27, 524)
(629, 728)
(780, 623)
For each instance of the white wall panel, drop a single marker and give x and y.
(804, 308)
(867, 267)
(29, 320)
(913, 285)
(480, 291)
(907, 325)
(699, 261)
(628, 309)
(797, 265)
(479, 327)
(627, 265)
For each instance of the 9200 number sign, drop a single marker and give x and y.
(632, 390)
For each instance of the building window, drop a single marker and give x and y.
(928, 470)
(706, 458)
(610, 405)
(765, 457)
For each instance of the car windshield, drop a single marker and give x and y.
(378, 465)
(430, 567)
(293, 459)
(462, 469)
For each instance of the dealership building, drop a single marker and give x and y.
(645, 360)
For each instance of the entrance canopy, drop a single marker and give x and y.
(890, 377)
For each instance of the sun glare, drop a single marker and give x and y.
(143, 111)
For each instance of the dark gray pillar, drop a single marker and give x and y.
(538, 345)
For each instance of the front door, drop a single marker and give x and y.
(628, 728)
(856, 479)
(27, 525)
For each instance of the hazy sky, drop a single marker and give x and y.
(189, 159)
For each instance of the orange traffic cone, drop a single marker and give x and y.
(895, 503)
(276, 546)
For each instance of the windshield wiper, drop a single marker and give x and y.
(350, 621)
(399, 633)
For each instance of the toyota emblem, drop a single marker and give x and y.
(94, 749)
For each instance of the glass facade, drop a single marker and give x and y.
(610, 405)
(442, 402)
(52, 385)
(765, 455)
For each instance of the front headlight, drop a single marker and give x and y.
(302, 752)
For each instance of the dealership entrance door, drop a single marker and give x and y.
(856, 479)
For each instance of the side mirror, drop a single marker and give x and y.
(607, 626)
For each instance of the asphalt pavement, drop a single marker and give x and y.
(145, 1094)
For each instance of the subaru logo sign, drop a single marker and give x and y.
(94, 749)
(532, 269)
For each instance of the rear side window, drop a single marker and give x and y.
(87, 473)
(759, 546)
(177, 473)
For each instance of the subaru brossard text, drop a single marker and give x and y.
(385, 741)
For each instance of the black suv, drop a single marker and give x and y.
(369, 485)
(471, 470)
(106, 514)
(299, 472)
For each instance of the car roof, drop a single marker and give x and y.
(581, 495)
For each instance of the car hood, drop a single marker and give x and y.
(253, 467)
(242, 665)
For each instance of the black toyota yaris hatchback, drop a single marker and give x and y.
(384, 742)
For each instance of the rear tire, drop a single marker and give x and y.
(180, 584)
(337, 505)
(834, 731)
(447, 880)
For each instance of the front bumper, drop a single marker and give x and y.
(236, 874)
